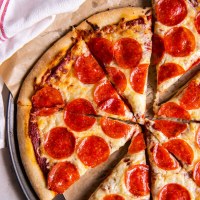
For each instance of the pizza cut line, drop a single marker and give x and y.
(124, 52)
(185, 105)
(86, 97)
(130, 178)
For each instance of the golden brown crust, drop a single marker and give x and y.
(113, 17)
(30, 164)
(48, 61)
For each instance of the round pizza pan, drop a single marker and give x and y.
(12, 142)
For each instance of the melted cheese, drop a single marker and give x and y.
(180, 175)
(71, 88)
(182, 178)
(46, 123)
(115, 184)
(142, 34)
(194, 113)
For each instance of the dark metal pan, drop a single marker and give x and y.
(14, 151)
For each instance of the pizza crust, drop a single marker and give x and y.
(113, 16)
(47, 61)
(30, 164)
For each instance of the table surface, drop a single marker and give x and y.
(9, 186)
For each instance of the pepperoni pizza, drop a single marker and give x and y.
(185, 105)
(130, 178)
(70, 103)
(176, 41)
(83, 99)
(67, 143)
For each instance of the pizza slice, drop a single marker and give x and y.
(179, 139)
(130, 178)
(169, 180)
(79, 77)
(185, 105)
(124, 51)
(58, 146)
(176, 41)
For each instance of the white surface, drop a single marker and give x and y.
(2, 119)
(20, 23)
(9, 187)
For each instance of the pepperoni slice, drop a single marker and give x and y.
(198, 137)
(173, 191)
(61, 176)
(171, 13)
(93, 150)
(113, 106)
(197, 22)
(191, 96)
(127, 52)
(75, 115)
(102, 49)
(163, 159)
(80, 106)
(158, 49)
(180, 149)
(171, 109)
(46, 111)
(104, 91)
(196, 173)
(169, 128)
(118, 78)
(113, 197)
(179, 42)
(138, 78)
(47, 97)
(113, 128)
(169, 70)
(78, 122)
(137, 180)
(59, 143)
(137, 144)
(87, 70)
